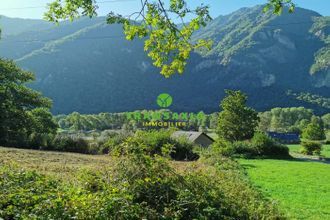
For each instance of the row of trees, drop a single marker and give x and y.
(293, 119)
(105, 121)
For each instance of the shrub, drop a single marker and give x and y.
(113, 142)
(261, 145)
(183, 150)
(143, 187)
(222, 147)
(266, 146)
(70, 144)
(40, 141)
(28, 195)
(311, 148)
(314, 131)
(154, 142)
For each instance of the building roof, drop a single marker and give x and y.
(284, 136)
(190, 135)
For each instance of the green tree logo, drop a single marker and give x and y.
(164, 100)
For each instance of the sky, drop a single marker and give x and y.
(36, 8)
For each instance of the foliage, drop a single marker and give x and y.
(292, 119)
(266, 146)
(135, 190)
(125, 120)
(112, 145)
(314, 130)
(40, 141)
(326, 121)
(322, 62)
(312, 98)
(261, 145)
(69, 144)
(43, 121)
(311, 148)
(168, 43)
(23, 111)
(43, 127)
(155, 142)
(236, 120)
(322, 56)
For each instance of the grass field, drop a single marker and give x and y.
(301, 188)
(59, 165)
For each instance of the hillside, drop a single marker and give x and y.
(88, 66)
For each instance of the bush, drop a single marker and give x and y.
(143, 187)
(311, 148)
(69, 144)
(154, 142)
(261, 145)
(222, 147)
(183, 150)
(40, 141)
(314, 131)
(113, 142)
(266, 146)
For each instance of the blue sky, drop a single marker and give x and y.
(35, 8)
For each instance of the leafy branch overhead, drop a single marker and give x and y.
(163, 26)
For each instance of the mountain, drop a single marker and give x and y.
(88, 66)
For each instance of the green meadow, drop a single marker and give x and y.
(300, 187)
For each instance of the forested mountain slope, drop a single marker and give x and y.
(88, 66)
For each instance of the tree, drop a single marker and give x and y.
(213, 120)
(314, 130)
(326, 120)
(43, 121)
(236, 120)
(17, 104)
(293, 119)
(265, 121)
(168, 43)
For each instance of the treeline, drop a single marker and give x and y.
(293, 119)
(114, 121)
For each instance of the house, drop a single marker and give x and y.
(199, 138)
(288, 138)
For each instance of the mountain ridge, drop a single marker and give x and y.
(87, 66)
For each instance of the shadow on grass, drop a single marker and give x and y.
(247, 166)
(306, 159)
(292, 159)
